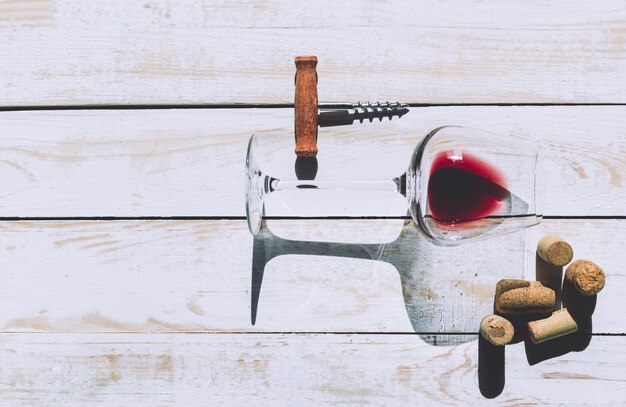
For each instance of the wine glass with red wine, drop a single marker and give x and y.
(462, 185)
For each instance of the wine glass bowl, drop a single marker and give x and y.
(472, 184)
(462, 184)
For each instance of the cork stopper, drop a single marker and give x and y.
(586, 277)
(560, 323)
(496, 330)
(523, 297)
(554, 250)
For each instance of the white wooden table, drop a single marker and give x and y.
(126, 259)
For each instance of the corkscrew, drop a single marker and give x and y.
(309, 115)
(341, 114)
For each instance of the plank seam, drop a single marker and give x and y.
(158, 106)
(391, 333)
(239, 218)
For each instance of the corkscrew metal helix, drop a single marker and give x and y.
(309, 114)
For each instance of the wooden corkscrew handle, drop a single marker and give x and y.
(305, 106)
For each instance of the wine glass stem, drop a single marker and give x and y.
(380, 185)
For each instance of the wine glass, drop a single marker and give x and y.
(462, 184)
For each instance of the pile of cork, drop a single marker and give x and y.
(521, 297)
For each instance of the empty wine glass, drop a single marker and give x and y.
(462, 184)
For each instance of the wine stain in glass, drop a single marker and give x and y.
(464, 188)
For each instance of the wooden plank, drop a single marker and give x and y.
(270, 370)
(195, 276)
(190, 162)
(118, 52)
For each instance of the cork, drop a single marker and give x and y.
(496, 330)
(523, 297)
(554, 250)
(586, 277)
(560, 323)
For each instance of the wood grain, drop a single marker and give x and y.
(157, 313)
(195, 276)
(117, 52)
(269, 370)
(191, 163)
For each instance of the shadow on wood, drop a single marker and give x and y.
(490, 368)
(445, 289)
(267, 245)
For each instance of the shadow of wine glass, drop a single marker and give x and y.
(267, 245)
(446, 290)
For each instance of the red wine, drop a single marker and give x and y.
(463, 187)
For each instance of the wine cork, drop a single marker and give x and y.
(496, 330)
(560, 323)
(523, 297)
(554, 250)
(586, 277)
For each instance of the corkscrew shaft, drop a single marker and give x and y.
(341, 114)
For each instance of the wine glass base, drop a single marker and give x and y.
(255, 188)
